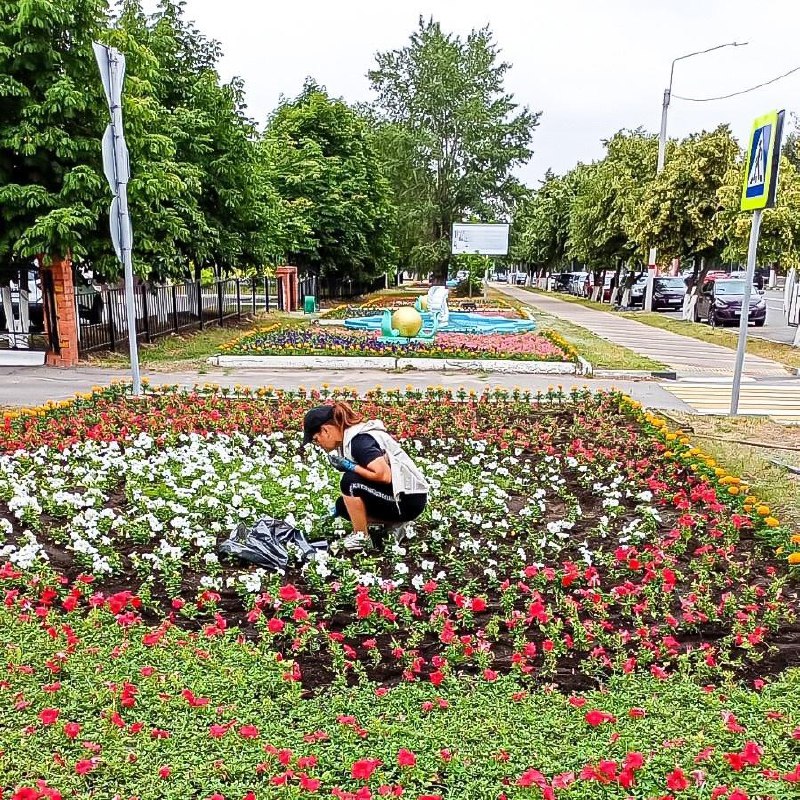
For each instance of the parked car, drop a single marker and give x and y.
(579, 284)
(605, 295)
(720, 303)
(668, 293)
(561, 281)
(520, 278)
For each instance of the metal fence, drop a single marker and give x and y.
(164, 310)
(327, 288)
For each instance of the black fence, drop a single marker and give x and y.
(339, 288)
(164, 310)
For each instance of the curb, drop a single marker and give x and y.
(496, 365)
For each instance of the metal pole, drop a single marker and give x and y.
(124, 221)
(755, 227)
(662, 150)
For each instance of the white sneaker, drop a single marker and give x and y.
(400, 531)
(356, 541)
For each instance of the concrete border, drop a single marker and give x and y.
(22, 358)
(498, 365)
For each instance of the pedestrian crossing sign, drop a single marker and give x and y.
(761, 163)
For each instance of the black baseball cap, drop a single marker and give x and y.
(314, 420)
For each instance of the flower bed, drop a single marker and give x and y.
(380, 304)
(565, 542)
(323, 341)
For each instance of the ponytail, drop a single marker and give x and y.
(344, 416)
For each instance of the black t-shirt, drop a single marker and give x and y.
(365, 449)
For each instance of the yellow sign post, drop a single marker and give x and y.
(758, 192)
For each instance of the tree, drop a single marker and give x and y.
(540, 231)
(52, 192)
(325, 165)
(779, 238)
(679, 212)
(607, 194)
(464, 133)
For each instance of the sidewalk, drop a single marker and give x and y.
(682, 354)
(32, 386)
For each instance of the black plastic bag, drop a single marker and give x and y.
(265, 543)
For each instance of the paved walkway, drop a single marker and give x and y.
(682, 354)
(31, 386)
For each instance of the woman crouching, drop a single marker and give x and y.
(380, 484)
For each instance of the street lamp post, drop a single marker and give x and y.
(662, 151)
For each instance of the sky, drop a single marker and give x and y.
(591, 67)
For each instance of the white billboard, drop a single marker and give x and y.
(484, 240)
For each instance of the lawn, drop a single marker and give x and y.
(725, 337)
(599, 352)
(580, 568)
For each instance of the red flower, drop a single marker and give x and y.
(738, 794)
(735, 760)
(478, 604)
(309, 784)
(25, 793)
(72, 729)
(637, 713)
(164, 772)
(362, 770)
(751, 754)
(677, 781)
(405, 758)
(490, 675)
(248, 732)
(436, 678)
(430, 797)
(48, 716)
(84, 766)
(217, 731)
(596, 717)
(275, 625)
(289, 594)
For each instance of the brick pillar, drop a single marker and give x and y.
(288, 285)
(66, 320)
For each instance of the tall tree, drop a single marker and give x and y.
(327, 170)
(465, 133)
(52, 192)
(679, 214)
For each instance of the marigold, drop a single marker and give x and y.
(795, 539)
(762, 511)
(733, 490)
(771, 522)
(794, 558)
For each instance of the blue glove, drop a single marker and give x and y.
(340, 463)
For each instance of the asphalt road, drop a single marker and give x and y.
(775, 330)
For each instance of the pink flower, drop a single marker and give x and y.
(248, 732)
(85, 766)
(217, 731)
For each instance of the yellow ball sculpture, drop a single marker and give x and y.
(423, 301)
(407, 321)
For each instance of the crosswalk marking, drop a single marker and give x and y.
(780, 401)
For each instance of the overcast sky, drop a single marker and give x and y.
(590, 66)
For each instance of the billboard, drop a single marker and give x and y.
(484, 240)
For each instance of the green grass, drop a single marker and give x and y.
(191, 349)
(725, 337)
(776, 486)
(601, 353)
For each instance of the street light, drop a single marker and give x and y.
(662, 150)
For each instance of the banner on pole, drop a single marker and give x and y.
(762, 161)
(485, 240)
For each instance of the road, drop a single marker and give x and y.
(776, 329)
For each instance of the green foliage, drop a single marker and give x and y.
(323, 159)
(679, 213)
(50, 172)
(458, 136)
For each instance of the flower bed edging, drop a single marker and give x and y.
(390, 363)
